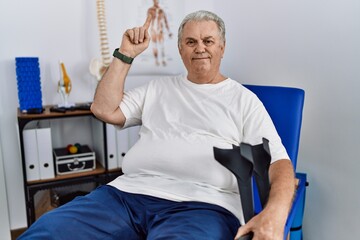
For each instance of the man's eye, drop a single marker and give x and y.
(208, 42)
(190, 43)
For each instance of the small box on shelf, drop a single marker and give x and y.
(67, 163)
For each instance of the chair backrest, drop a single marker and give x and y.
(285, 106)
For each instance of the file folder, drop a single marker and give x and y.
(111, 142)
(45, 157)
(98, 131)
(122, 137)
(31, 155)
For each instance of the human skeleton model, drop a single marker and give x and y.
(158, 23)
(98, 66)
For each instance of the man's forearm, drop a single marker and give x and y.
(109, 93)
(110, 89)
(269, 223)
(282, 190)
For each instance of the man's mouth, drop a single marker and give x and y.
(200, 58)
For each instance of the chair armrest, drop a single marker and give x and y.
(298, 203)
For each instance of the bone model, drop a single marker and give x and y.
(98, 66)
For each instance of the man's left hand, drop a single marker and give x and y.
(265, 226)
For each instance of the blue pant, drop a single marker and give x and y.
(107, 213)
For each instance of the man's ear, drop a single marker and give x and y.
(223, 49)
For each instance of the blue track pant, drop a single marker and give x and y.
(107, 213)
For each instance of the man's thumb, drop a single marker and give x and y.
(244, 233)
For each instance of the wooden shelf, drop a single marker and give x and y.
(48, 114)
(97, 176)
(98, 170)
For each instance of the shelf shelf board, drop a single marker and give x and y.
(48, 114)
(98, 170)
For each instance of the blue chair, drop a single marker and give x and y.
(285, 105)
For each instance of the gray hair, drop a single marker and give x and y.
(202, 15)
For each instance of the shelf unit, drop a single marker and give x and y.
(99, 176)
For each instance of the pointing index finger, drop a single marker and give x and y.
(147, 22)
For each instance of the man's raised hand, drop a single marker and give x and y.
(136, 40)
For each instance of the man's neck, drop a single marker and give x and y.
(206, 78)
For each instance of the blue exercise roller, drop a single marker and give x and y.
(28, 84)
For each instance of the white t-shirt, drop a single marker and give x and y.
(181, 123)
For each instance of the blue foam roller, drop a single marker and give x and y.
(28, 83)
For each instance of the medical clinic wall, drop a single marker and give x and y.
(312, 45)
(52, 30)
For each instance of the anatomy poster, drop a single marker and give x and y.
(162, 56)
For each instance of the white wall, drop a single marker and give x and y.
(44, 29)
(4, 212)
(53, 30)
(311, 44)
(314, 45)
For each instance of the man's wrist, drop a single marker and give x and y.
(122, 57)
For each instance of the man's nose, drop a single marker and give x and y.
(200, 48)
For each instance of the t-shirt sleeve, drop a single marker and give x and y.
(132, 105)
(258, 125)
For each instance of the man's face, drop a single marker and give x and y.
(201, 48)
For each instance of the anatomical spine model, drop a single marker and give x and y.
(98, 66)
